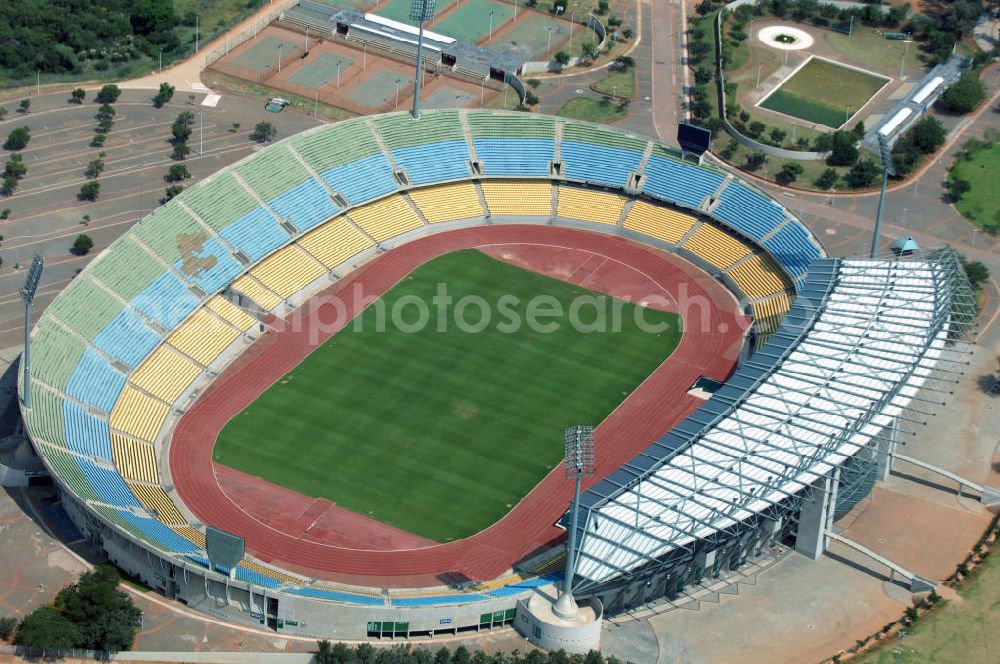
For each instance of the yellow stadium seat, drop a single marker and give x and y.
(334, 242)
(135, 460)
(155, 498)
(518, 197)
(447, 202)
(715, 246)
(386, 218)
(287, 271)
(230, 313)
(203, 337)
(250, 287)
(138, 415)
(586, 205)
(659, 222)
(196, 537)
(757, 277)
(165, 374)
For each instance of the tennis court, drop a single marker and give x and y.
(449, 97)
(323, 68)
(263, 52)
(470, 22)
(533, 36)
(399, 10)
(379, 88)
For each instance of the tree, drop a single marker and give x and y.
(754, 161)
(77, 95)
(181, 150)
(263, 132)
(106, 617)
(3, 113)
(105, 124)
(602, 7)
(181, 129)
(7, 625)
(958, 187)
(47, 628)
(976, 271)
(165, 94)
(561, 58)
(778, 134)
(15, 167)
(827, 179)
(928, 134)
(98, 140)
(9, 185)
(177, 172)
(24, 106)
(90, 191)
(863, 174)
(625, 62)
(94, 168)
(4, 214)
(151, 17)
(18, 139)
(106, 111)
(108, 94)
(171, 191)
(789, 172)
(843, 149)
(964, 95)
(82, 246)
(236, 127)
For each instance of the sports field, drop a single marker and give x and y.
(470, 22)
(534, 36)
(824, 92)
(981, 205)
(399, 10)
(442, 432)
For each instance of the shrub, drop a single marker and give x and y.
(964, 95)
(18, 139)
(108, 94)
(82, 245)
(263, 132)
(789, 172)
(827, 179)
(843, 149)
(171, 191)
(90, 191)
(754, 161)
(7, 626)
(78, 95)
(177, 172)
(863, 174)
(164, 95)
(24, 106)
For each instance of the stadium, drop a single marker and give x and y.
(772, 412)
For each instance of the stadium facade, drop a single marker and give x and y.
(844, 354)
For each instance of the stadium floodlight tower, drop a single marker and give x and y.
(579, 463)
(28, 295)
(885, 151)
(420, 11)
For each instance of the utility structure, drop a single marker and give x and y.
(579, 463)
(27, 293)
(420, 11)
(885, 151)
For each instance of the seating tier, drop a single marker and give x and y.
(659, 222)
(715, 246)
(166, 374)
(250, 287)
(588, 205)
(334, 242)
(683, 183)
(757, 277)
(135, 460)
(447, 202)
(203, 337)
(518, 197)
(287, 271)
(748, 212)
(138, 414)
(386, 218)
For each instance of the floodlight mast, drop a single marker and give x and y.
(885, 152)
(27, 293)
(420, 11)
(579, 463)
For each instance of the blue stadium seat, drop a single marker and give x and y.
(94, 382)
(515, 156)
(434, 162)
(337, 596)
(436, 600)
(675, 181)
(306, 205)
(156, 531)
(362, 180)
(218, 275)
(86, 433)
(256, 578)
(601, 164)
(256, 233)
(167, 301)
(108, 485)
(791, 247)
(748, 212)
(128, 338)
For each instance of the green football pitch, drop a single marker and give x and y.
(441, 432)
(824, 92)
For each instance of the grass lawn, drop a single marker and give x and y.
(824, 92)
(441, 433)
(234, 85)
(963, 633)
(594, 110)
(981, 205)
(619, 84)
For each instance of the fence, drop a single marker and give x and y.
(539, 66)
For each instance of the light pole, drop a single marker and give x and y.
(338, 74)
(197, 35)
(279, 58)
(201, 133)
(515, 10)
(579, 463)
(421, 11)
(397, 93)
(27, 293)
(161, 60)
(548, 44)
(885, 151)
(491, 26)
(906, 48)
(758, 75)
(572, 25)
(482, 91)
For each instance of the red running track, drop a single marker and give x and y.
(276, 522)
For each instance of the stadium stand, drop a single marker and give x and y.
(85, 308)
(447, 202)
(673, 180)
(513, 145)
(597, 155)
(757, 277)
(86, 433)
(47, 415)
(202, 337)
(518, 197)
(95, 382)
(107, 484)
(58, 354)
(155, 499)
(715, 246)
(769, 313)
(287, 271)
(230, 313)
(429, 151)
(748, 212)
(659, 222)
(334, 242)
(138, 414)
(135, 460)
(253, 289)
(386, 218)
(127, 338)
(587, 205)
(126, 268)
(790, 245)
(165, 374)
